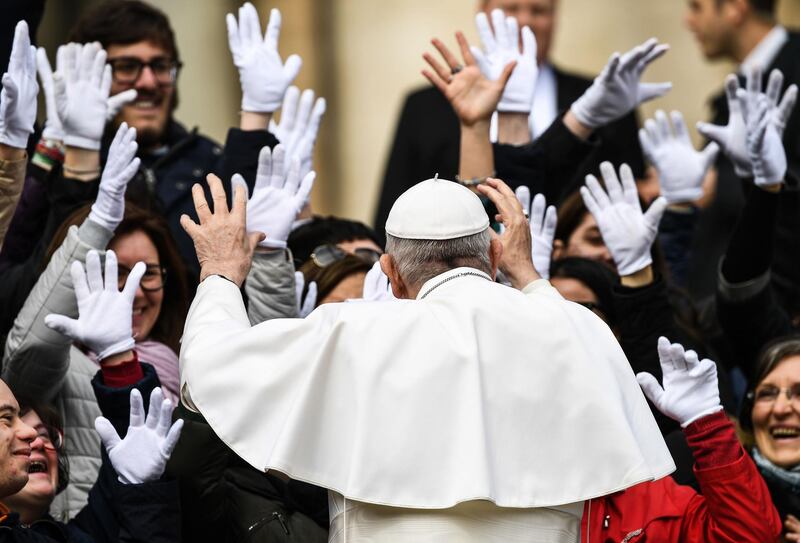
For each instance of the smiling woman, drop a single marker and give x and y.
(772, 413)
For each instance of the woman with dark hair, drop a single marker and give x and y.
(771, 420)
(337, 281)
(588, 283)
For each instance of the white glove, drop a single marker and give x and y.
(263, 75)
(376, 285)
(53, 130)
(764, 145)
(543, 228)
(143, 454)
(277, 196)
(18, 97)
(81, 94)
(627, 232)
(617, 90)
(299, 126)
(732, 137)
(305, 306)
(681, 169)
(690, 385)
(121, 165)
(104, 322)
(502, 47)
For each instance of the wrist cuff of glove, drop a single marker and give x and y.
(513, 107)
(17, 139)
(768, 181)
(584, 117)
(82, 142)
(119, 347)
(744, 173)
(273, 244)
(53, 134)
(104, 220)
(700, 415)
(629, 268)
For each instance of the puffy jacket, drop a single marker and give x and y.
(735, 506)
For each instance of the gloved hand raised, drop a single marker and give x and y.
(618, 90)
(376, 285)
(690, 385)
(121, 165)
(18, 97)
(501, 46)
(732, 138)
(141, 456)
(53, 130)
(104, 322)
(305, 306)
(543, 228)
(81, 94)
(627, 232)
(298, 127)
(277, 196)
(263, 75)
(681, 169)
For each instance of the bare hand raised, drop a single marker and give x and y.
(221, 240)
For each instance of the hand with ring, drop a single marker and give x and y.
(473, 96)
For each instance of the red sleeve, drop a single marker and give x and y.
(123, 375)
(735, 504)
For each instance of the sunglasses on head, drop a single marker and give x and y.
(325, 255)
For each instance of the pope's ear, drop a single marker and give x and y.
(396, 282)
(495, 254)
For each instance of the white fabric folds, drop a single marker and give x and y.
(476, 392)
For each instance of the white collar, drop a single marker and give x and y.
(447, 276)
(763, 54)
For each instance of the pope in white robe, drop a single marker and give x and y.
(472, 412)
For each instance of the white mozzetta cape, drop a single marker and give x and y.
(477, 391)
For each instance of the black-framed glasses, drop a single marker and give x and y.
(325, 255)
(768, 394)
(153, 279)
(52, 437)
(126, 70)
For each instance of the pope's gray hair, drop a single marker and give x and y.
(418, 260)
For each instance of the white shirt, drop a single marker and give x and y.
(764, 54)
(476, 392)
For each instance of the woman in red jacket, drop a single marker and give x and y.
(735, 506)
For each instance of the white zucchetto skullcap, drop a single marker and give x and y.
(436, 209)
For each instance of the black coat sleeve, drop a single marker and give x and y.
(241, 153)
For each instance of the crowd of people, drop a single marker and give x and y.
(565, 326)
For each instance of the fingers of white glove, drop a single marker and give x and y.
(11, 92)
(137, 409)
(629, 192)
(299, 284)
(304, 110)
(94, 274)
(320, 105)
(705, 368)
(787, 104)
(679, 127)
(745, 101)
(20, 45)
(651, 91)
(653, 133)
(731, 87)
(44, 69)
(664, 354)
(79, 282)
(154, 411)
(292, 179)
(613, 188)
(647, 143)
(485, 32)
(97, 68)
(234, 44)
(108, 435)
(273, 29)
(550, 222)
(774, 86)
(662, 125)
(599, 196)
(118, 101)
(62, 324)
(304, 191)
(252, 26)
(292, 67)
(610, 70)
(238, 181)
(265, 169)
(498, 23)
(630, 59)
(677, 354)
(589, 201)
(512, 32)
(754, 77)
(289, 109)
(130, 170)
(105, 84)
(529, 47)
(110, 276)
(245, 40)
(171, 440)
(713, 132)
(691, 359)
(117, 141)
(60, 94)
(482, 61)
(654, 213)
(709, 154)
(650, 387)
(656, 52)
(279, 163)
(310, 301)
(165, 417)
(134, 278)
(537, 212)
(523, 194)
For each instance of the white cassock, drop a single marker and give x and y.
(473, 392)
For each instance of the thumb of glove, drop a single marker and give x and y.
(651, 388)
(116, 102)
(62, 324)
(60, 91)
(108, 435)
(713, 132)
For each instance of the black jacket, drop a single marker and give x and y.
(716, 223)
(427, 141)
